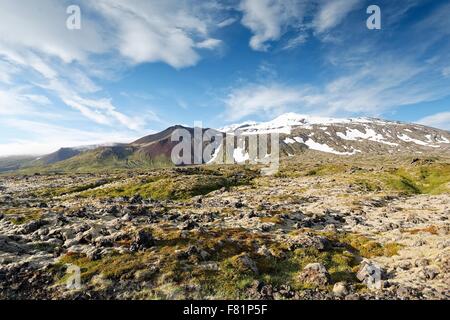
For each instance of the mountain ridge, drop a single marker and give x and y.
(297, 133)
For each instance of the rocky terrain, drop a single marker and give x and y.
(325, 227)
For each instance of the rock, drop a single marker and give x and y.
(403, 292)
(370, 274)
(94, 254)
(260, 291)
(238, 205)
(422, 262)
(405, 265)
(126, 217)
(43, 231)
(70, 243)
(286, 292)
(11, 246)
(136, 199)
(33, 226)
(143, 240)
(104, 242)
(68, 234)
(340, 289)
(146, 274)
(266, 227)
(263, 251)
(315, 274)
(55, 242)
(307, 241)
(245, 263)
(188, 225)
(429, 273)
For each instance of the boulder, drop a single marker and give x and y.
(340, 289)
(245, 263)
(307, 241)
(143, 240)
(370, 274)
(315, 274)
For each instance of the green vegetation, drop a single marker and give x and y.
(179, 186)
(20, 216)
(368, 248)
(61, 191)
(431, 178)
(230, 278)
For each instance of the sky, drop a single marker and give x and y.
(136, 67)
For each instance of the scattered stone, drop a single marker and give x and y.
(188, 225)
(307, 241)
(33, 226)
(244, 262)
(315, 274)
(340, 289)
(143, 240)
(370, 274)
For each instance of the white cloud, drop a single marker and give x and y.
(48, 138)
(446, 72)
(256, 99)
(227, 22)
(18, 102)
(42, 53)
(295, 42)
(370, 89)
(439, 120)
(268, 19)
(332, 12)
(167, 31)
(24, 28)
(209, 44)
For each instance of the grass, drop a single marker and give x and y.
(19, 216)
(430, 229)
(424, 179)
(61, 191)
(175, 186)
(368, 248)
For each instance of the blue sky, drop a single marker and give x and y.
(136, 67)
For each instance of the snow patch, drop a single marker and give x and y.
(442, 139)
(370, 134)
(406, 138)
(323, 147)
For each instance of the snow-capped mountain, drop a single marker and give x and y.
(347, 136)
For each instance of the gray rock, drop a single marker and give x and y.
(188, 225)
(143, 240)
(33, 226)
(307, 241)
(371, 274)
(340, 289)
(315, 274)
(94, 254)
(245, 260)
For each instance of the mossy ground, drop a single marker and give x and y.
(20, 216)
(189, 277)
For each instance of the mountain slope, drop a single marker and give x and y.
(348, 136)
(297, 134)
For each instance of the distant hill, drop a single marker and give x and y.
(297, 134)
